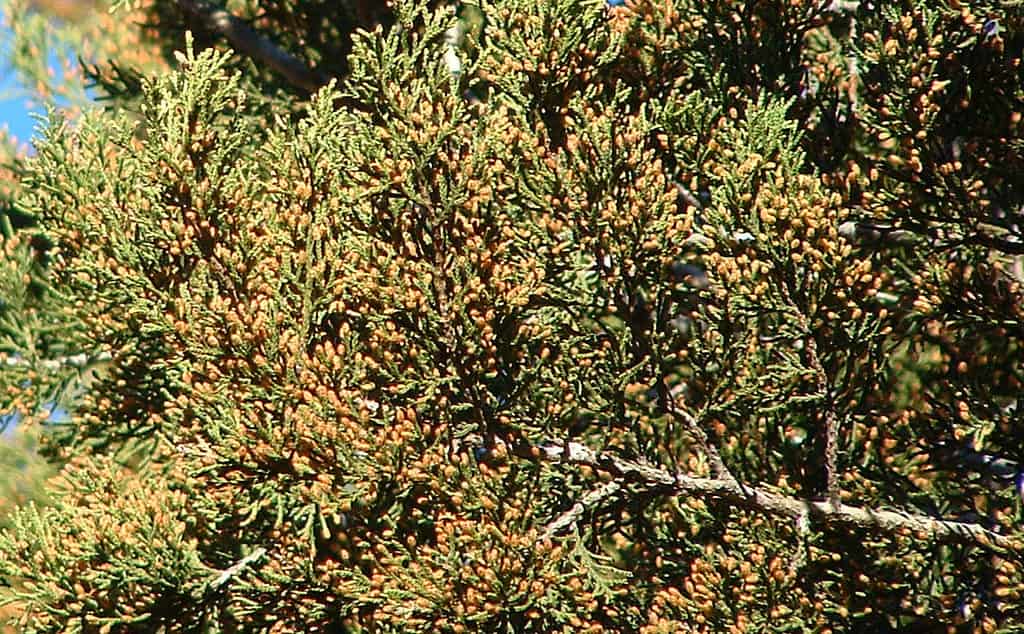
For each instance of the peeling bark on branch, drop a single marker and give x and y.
(761, 500)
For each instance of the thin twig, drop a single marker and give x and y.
(587, 502)
(718, 468)
(823, 386)
(238, 567)
(831, 423)
(246, 40)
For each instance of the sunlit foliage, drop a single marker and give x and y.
(658, 317)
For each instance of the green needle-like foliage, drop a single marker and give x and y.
(522, 316)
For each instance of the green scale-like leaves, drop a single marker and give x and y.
(457, 351)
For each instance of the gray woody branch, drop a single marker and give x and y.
(753, 498)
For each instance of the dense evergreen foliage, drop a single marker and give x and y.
(520, 316)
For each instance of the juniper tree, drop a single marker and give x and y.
(527, 316)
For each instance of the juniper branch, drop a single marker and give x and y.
(718, 467)
(831, 424)
(831, 417)
(587, 502)
(764, 501)
(246, 40)
(237, 567)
